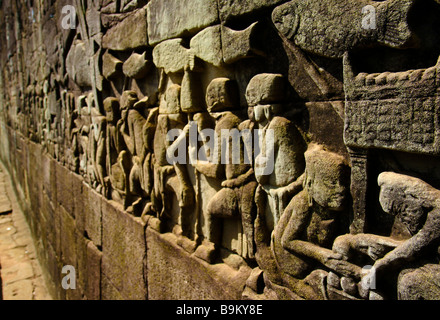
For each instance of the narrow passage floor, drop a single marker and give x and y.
(20, 272)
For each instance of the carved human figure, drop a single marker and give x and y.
(280, 160)
(415, 205)
(111, 109)
(82, 124)
(304, 235)
(39, 118)
(148, 131)
(171, 177)
(97, 150)
(117, 163)
(70, 114)
(45, 117)
(132, 131)
(88, 112)
(130, 127)
(236, 198)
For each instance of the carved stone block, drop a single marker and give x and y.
(179, 18)
(130, 33)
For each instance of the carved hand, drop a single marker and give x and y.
(336, 263)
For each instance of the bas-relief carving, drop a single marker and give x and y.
(319, 27)
(303, 237)
(302, 226)
(232, 207)
(413, 260)
(346, 279)
(172, 179)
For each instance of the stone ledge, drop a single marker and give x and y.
(174, 274)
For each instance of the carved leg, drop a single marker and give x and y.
(186, 197)
(248, 210)
(359, 184)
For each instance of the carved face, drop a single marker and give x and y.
(408, 209)
(327, 191)
(172, 99)
(128, 99)
(386, 199)
(222, 95)
(251, 114)
(260, 113)
(265, 113)
(110, 116)
(111, 108)
(395, 189)
(406, 197)
(326, 178)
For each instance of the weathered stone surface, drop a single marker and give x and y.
(111, 66)
(326, 123)
(93, 215)
(34, 174)
(230, 9)
(123, 252)
(110, 18)
(64, 188)
(68, 238)
(93, 21)
(175, 18)
(78, 64)
(52, 103)
(239, 44)
(221, 94)
(207, 45)
(78, 202)
(54, 272)
(172, 100)
(137, 66)
(191, 99)
(108, 290)
(93, 276)
(19, 290)
(130, 33)
(52, 229)
(172, 56)
(320, 28)
(266, 89)
(302, 88)
(170, 269)
(49, 177)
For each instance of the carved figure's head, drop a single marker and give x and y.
(264, 94)
(406, 197)
(172, 100)
(111, 108)
(222, 95)
(128, 99)
(326, 178)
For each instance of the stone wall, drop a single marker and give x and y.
(108, 113)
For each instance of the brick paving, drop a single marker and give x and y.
(20, 272)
